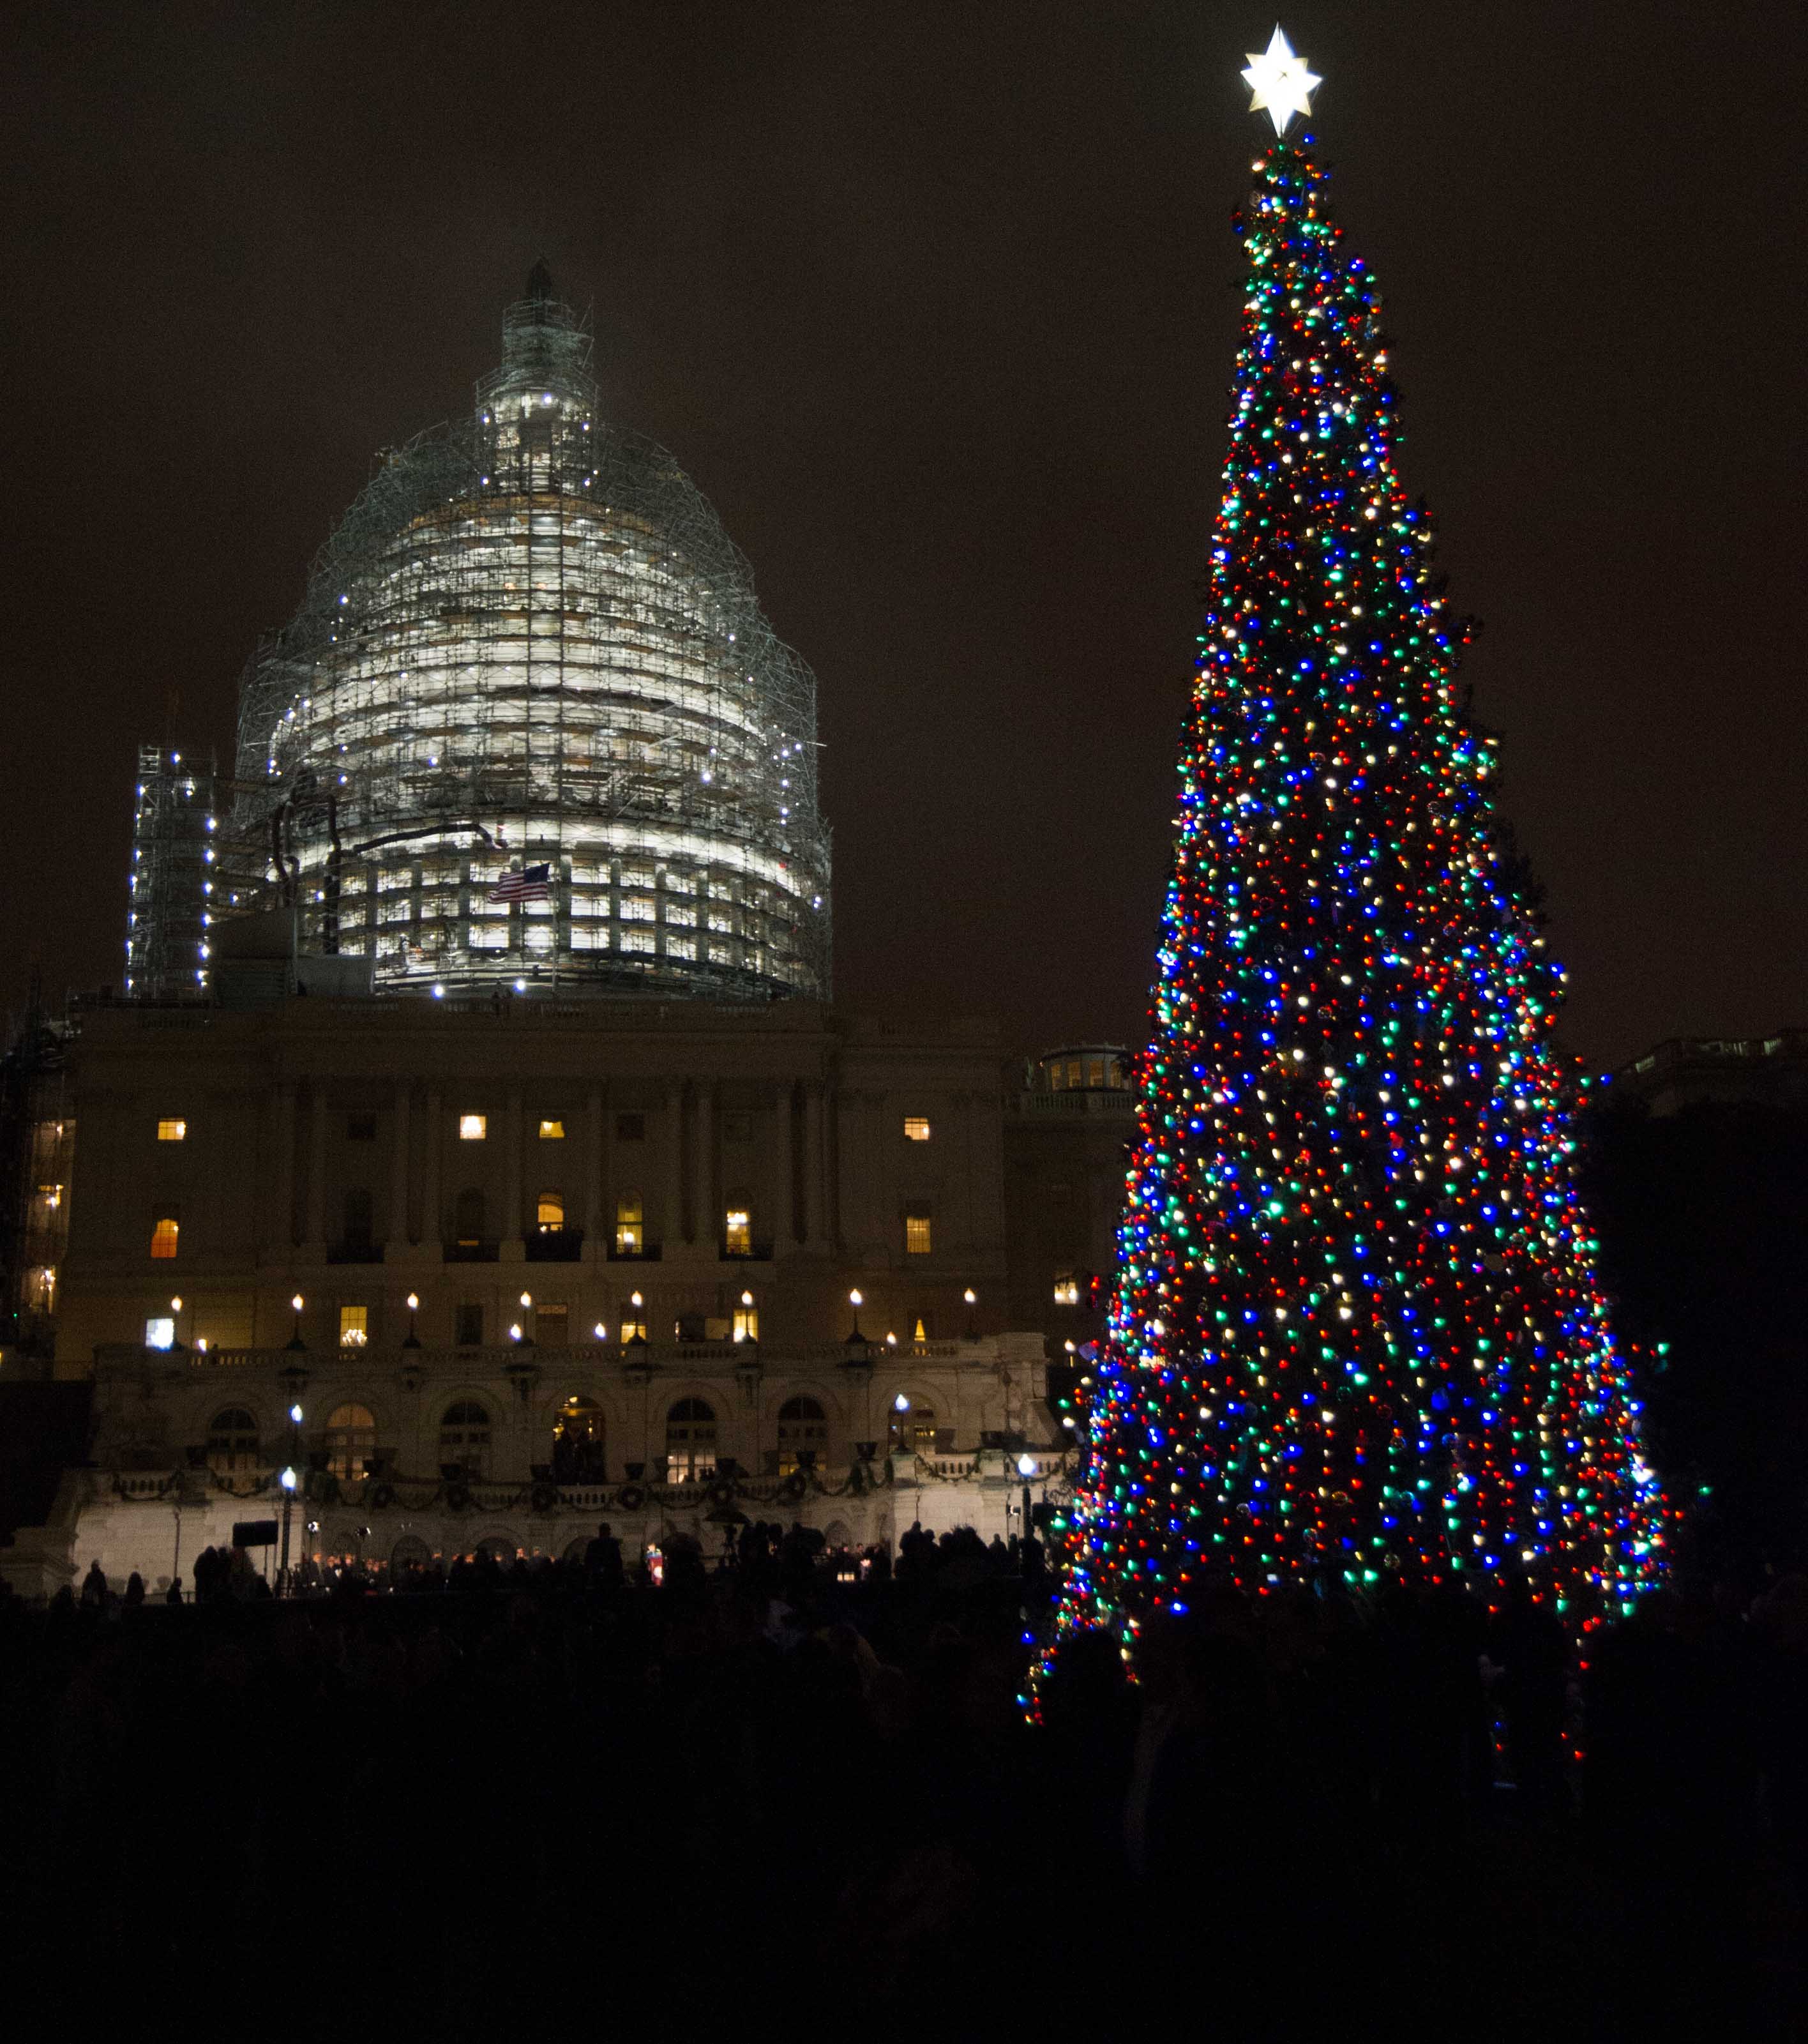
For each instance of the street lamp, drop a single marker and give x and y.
(855, 1301)
(295, 1340)
(972, 1298)
(524, 1333)
(413, 1340)
(175, 1324)
(638, 1339)
(288, 1480)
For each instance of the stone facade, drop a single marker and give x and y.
(630, 1234)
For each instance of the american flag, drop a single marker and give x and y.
(532, 883)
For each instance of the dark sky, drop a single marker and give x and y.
(936, 303)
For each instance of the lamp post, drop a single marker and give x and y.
(526, 1333)
(288, 1480)
(295, 1340)
(1026, 1470)
(972, 1299)
(176, 1341)
(413, 1340)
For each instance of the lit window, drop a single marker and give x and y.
(160, 1331)
(354, 1326)
(747, 1324)
(803, 1436)
(690, 1442)
(630, 1228)
(921, 1334)
(232, 1442)
(51, 1195)
(464, 1438)
(916, 1128)
(163, 1239)
(549, 1212)
(634, 1319)
(913, 1426)
(552, 1131)
(1066, 1288)
(172, 1131)
(918, 1232)
(473, 1127)
(350, 1442)
(737, 1232)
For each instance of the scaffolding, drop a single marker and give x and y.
(529, 642)
(174, 828)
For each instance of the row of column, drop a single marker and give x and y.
(801, 1179)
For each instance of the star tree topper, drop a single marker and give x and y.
(1279, 84)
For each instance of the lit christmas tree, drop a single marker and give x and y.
(1357, 1335)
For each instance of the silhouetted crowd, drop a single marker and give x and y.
(809, 1771)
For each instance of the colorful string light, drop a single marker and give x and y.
(1357, 1335)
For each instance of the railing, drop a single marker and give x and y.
(389, 1489)
(1105, 1101)
(721, 1355)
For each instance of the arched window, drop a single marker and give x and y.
(350, 1442)
(803, 1432)
(549, 1212)
(577, 1441)
(232, 1442)
(913, 1425)
(468, 1218)
(630, 1226)
(464, 1438)
(164, 1235)
(690, 1442)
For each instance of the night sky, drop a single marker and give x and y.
(938, 304)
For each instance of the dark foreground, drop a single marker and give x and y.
(566, 1809)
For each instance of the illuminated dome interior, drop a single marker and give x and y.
(530, 643)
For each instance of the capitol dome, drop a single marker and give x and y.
(529, 723)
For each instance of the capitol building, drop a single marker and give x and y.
(473, 1152)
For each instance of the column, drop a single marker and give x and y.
(673, 1209)
(704, 1219)
(592, 1207)
(399, 1234)
(432, 1228)
(814, 1173)
(790, 1221)
(513, 1223)
(314, 1240)
(282, 1198)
